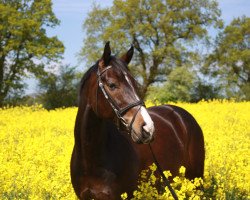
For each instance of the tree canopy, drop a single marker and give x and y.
(230, 62)
(162, 32)
(59, 89)
(178, 87)
(24, 45)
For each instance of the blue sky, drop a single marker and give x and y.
(70, 32)
(72, 14)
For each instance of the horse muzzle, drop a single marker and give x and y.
(141, 126)
(145, 135)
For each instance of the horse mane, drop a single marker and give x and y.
(86, 76)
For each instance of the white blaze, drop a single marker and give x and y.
(129, 82)
(149, 127)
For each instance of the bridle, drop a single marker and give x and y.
(118, 111)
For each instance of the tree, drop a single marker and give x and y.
(59, 89)
(178, 87)
(230, 61)
(162, 32)
(203, 90)
(24, 45)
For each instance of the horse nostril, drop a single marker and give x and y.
(145, 133)
(146, 137)
(143, 128)
(142, 125)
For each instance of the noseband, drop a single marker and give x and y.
(118, 111)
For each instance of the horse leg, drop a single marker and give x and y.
(196, 154)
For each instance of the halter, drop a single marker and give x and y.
(118, 111)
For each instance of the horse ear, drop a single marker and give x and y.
(128, 56)
(106, 54)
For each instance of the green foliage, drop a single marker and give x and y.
(183, 85)
(231, 59)
(162, 33)
(24, 45)
(205, 91)
(59, 90)
(178, 87)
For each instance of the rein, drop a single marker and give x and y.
(166, 181)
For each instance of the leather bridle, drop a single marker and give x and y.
(118, 111)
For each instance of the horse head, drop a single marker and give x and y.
(116, 96)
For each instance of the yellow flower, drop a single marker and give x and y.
(36, 146)
(124, 196)
(182, 170)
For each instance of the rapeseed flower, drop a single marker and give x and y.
(36, 146)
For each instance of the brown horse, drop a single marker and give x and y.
(113, 127)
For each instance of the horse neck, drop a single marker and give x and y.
(90, 134)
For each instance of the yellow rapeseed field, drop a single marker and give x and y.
(36, 145)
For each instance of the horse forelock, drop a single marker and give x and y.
(118, 64)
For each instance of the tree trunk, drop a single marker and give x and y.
(144, 90)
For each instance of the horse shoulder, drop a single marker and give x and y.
(171, 121)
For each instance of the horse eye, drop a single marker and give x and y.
(111, 86)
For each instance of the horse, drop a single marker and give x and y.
(113, 128)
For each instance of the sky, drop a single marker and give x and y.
(72, 14)
(70, 31)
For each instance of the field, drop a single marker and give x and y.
(36, 145)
